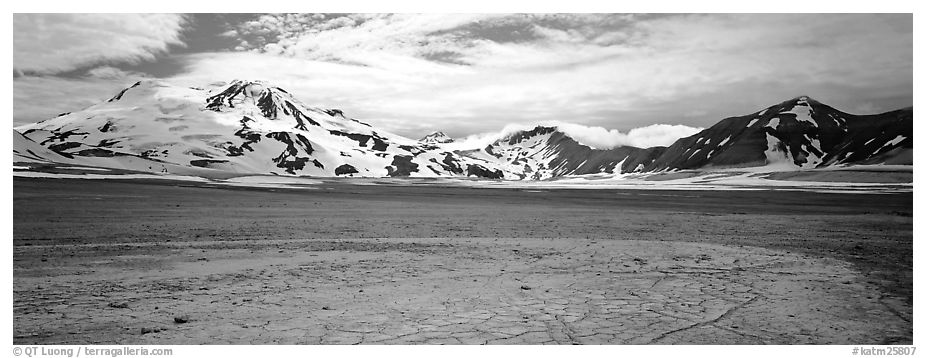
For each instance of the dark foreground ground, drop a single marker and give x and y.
(154, 262)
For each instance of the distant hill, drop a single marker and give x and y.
(798, 133)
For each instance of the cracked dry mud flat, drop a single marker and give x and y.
(445, 291)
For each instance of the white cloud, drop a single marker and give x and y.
(404, 72)
(53, 43)
(38, 98)
(384, 98)
(592, 136)
(659, 134)
(571, 68)
(112, 73)
(356, 38)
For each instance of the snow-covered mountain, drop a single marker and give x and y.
(547, 152)
(27, 150)
(242, 127)
(436, 138)
(251, 127)
(799, 133)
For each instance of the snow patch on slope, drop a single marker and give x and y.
(895, 141)
(773, 123)
(775, 155)
(725, 141)
(802, 111)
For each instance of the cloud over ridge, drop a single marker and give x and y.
(474, 73)
(592, 136)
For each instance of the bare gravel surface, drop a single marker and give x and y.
(141, 263)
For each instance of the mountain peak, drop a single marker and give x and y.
(436, 137)
(272, 102)
(802, 100)
(527, 134)
(239, 91)
(139, 87)
(789, 105)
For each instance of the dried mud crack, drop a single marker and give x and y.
(444, 291)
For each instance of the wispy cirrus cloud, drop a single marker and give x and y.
(586, 67)
(476, 73)
(63, 62)
(53, 43)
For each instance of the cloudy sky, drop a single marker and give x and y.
(633, 79)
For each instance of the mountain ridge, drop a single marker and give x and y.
(242, 127)
(252, 127)
(800, 133)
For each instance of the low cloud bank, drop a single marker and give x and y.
(595, 137)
